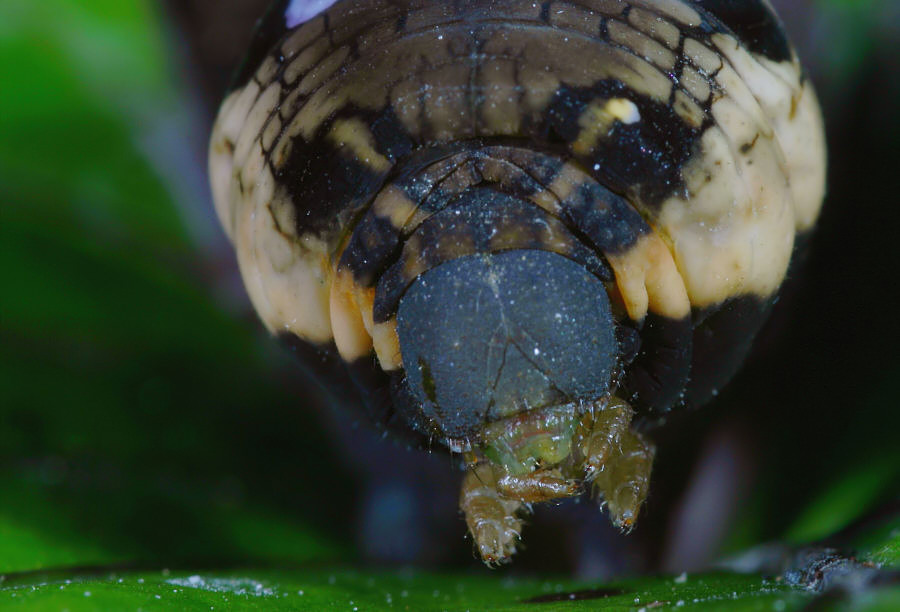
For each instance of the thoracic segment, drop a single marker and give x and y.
(605, 453)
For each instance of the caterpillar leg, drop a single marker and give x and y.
(618, 460)
(538, 486)
(492, 519)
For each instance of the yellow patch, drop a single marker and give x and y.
(355, 136)
(347, 323)
(599, 118)
(648, 280)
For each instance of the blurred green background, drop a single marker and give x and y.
(147, 422)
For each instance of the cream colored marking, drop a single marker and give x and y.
(500, 113)
(350, 335)
(702, 56)
(446, 106)
(387, 345)
(384, 335)
(306, 60)
(405, 102)
(287, 278)
(265, 105)
(770, 88)
(321, 73)
(803, 142)
(412, 264)
(598, 119)
(302, 37)
(221, 151)
(393, 203)
(271, 132)
(320, 106)
(267, 70)
(564, 183)
(734, 234)
(688, 110)
(648, 279)
(288, 106)
(695, 83)
(735, 88)
(541, 86)
(676, 9)
(655, 26)
(793, 112)
(643, 45)
(282, 150)
(253, 176)
(640, 75)
(354, 135)
(226, 131)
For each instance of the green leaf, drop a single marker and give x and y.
(128, 393)
(316, 588)
(845, 499)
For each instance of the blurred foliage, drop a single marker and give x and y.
(145, 425)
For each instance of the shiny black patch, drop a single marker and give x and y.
(758, 29)
(324, 183)
(722, 337)
(373, 386)
(390, 136)
(656, 381)
(643, 158)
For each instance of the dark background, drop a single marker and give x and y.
(145, 415)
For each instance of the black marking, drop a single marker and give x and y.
(607, 220)
(390, 135)
(374, 242)
(374, 388)
(327, 182)
(644, 158)
(755, 25)
(545, 11)
(656, 380)
(722, 337)
(748, 146)
(324, 184)
(401, 22)
(408, 409)
(678, 69)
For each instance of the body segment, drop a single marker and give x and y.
(638, 168)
